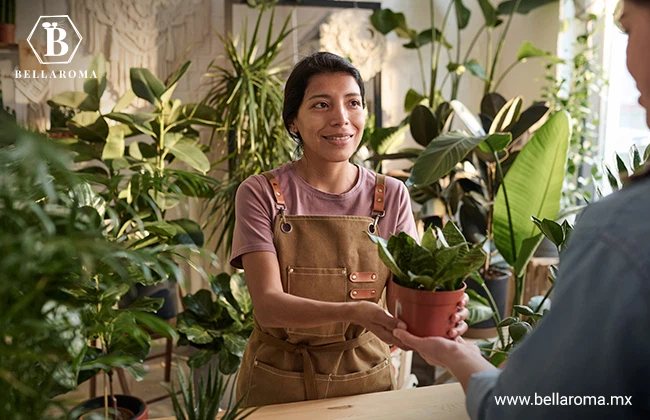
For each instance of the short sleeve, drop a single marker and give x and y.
(253, 220)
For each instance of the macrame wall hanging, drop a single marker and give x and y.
(350, 34)
(140, 33)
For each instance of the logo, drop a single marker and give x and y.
(62, 39)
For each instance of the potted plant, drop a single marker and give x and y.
(428, 279)
(60, 278)
(201, 398)
(7, 21)
(217, 328)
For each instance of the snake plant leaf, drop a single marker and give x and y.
(441, 156)
(534, 186)
(454, 237)
(424, 126)
(646, 153)
(635, 158)
(387, 258)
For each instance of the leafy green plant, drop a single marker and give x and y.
(60, 277)
(202, 403)
(619, 178)
(526, 317)
(431, 97)
(247, 100)
(442, 262)
(218, 327)
(574, 95)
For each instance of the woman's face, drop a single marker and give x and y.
(330, 119)
(636, 22)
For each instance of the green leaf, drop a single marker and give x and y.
(523, 310)
(155, 324)
(108, 362)
(463, 267)
(89, 126)
(535, 302)
(489, 12)
(552, 230)
(95, 87)
(201, 304)
(172, 138)
(519, 330)
(462, 14)
(429, 240)
(646, 153)
(476, 69)
(76, 100)
(146, 304)
(194, 331)
(525, 6)
(177, 74)
(496, 142)
(613, 182)
(228, 362)
(528, 248)
(470, 120)
(528, 50)
(146, 86)
(424, 280)
(385, 20)
(454, 237)
(114, 147)
(507, 115)
(188, 232)
(441, 156)
(140, 121)
(424, 126)
(124, 101)
(527, 119)
(623, 172)
(388, 259)
(186, 151)
(505, 322)
(635, 158)
(138, 371)
(200, 358)
(196, 114)
(385, 139)
(164, 201)
(240, 292)
(491, 104)
(479, 308)
(235, 343)
(534, 184)
(412, 99)
(232, 311)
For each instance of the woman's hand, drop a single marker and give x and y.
(457, 324)
(377, 320)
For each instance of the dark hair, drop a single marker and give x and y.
(294, 90)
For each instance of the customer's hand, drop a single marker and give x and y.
(457, 324)
(379, 321)
(437, 351)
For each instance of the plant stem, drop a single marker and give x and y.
(502, 41)
(505, 196)
(432, 92)
(437, 58)
(105, 396)
(424, 81)
(505, 73)
(548, 293)
(496, 316)
(113, 399)
(161, 146)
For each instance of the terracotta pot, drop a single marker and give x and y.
(7, 33)
(138, 408)
(426, 313)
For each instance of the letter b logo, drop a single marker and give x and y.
(61, 39)
(55, 35)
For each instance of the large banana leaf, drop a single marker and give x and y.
(534, 186)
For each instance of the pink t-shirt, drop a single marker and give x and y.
(255, 207)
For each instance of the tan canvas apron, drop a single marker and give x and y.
(326, 258)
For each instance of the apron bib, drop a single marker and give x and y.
(326, 258)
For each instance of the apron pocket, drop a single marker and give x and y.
(377, 379)
(324, 284)
(269, 385)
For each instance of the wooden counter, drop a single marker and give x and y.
(434, 402)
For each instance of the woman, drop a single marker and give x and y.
(314, 276)
(589, 356)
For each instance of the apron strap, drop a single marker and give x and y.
(380, 192)
(277, 191)
(309, 372)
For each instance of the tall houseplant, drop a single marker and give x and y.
(60, 278)
(247, 96)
